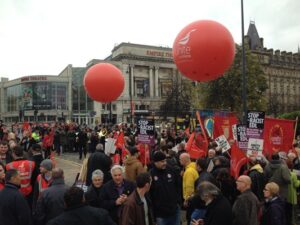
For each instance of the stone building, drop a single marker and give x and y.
(282, 71)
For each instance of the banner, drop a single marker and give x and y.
(242, 138)
(278, 135)
(238, 159)
(223, 126)
(222, 143)
(255, 124)
(255, 147)
(145, 130)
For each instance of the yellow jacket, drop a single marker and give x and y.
(190, 175)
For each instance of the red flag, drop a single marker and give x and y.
(223, 126)
(120, 142)
(238, 159)
(187, 131)
(204, 146)
(278, 135)
(193, 149)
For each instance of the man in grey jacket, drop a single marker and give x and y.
(246, 207)
(51, 201)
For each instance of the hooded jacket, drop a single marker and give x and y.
(133, 167)
(256, 173)
(279, 173)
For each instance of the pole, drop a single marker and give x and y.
(110, 113)
(130, 95)
(244, 85)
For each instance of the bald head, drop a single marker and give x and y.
(57, 173)
(243, 183)
(185, 159)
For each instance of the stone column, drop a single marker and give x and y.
(132, 79)
(151, 81)
(156, 81)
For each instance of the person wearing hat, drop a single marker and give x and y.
(43, 179)
(133, 166)
(165, 191)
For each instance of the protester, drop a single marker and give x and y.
(274, 207)
(14, 210)
(115, 192)
(5, 154)
(190, 175)
(92, 196)
(25, 168)
(51, 201)
(292, 217)
(2, 176)
(98, 160)
(137, 208)
(133, 166)
(77, 213)
(37, 158)
(43, 180)
(256, 173)
(165, 191)
(246, 207)
(218, 208)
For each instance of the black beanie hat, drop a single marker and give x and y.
(159, 156)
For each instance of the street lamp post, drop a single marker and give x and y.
(244, 85)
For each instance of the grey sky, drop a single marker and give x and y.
(41, 37)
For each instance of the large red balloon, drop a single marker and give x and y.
(203, 50)
(103, 82)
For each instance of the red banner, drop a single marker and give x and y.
(238, 159)
(192, 146)
(278, 135)
(223, 126)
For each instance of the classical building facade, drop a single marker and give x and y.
(149, 72)
(282, 71)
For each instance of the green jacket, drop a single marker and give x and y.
(292, 193)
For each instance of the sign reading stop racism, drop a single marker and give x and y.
(203, 50)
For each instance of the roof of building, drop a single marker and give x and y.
(254, 39)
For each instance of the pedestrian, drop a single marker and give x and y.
(133, 166)
(43, 180)
(218, 208)
(2, 176)
(77, 213)
(51, 201)
(115, 192)
(14, 210)
(98, 160)
(137, 208)
(5, 153)
(165, 191)
(274, 207)
(92, 196)
(246, 207)
(190, 175)
(25, 168)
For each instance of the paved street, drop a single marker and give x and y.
(71, 165)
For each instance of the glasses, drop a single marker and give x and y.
(266, 189)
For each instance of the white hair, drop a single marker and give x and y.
(116, 167)
(97, 173)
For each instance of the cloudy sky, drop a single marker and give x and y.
(41, 37)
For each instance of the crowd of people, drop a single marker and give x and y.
(143, 185)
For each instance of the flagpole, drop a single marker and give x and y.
(244, 84)
(295, 131)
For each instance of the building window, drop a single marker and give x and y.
(142, 88)
(114, 107)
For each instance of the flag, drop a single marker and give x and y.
(238, 159)
(278, 135)
(223, 126)
(205, 139)
(120, 142)
(193, 149)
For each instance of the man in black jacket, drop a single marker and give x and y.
(115, 192)
(98, 160)
(165, 191)
(51, 201)
(14, 209)
(77, 213)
